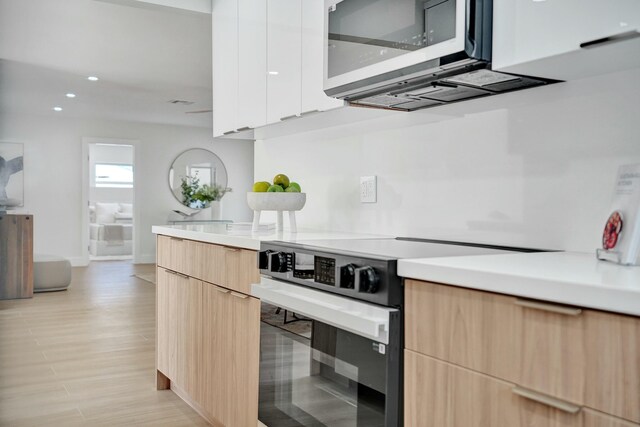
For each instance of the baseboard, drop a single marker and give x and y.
(79, 261)
(145, 259)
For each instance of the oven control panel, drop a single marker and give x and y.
(368, 279)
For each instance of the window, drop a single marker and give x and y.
(114, 175)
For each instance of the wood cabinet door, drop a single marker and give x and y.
(583, 356)
(230, 351)
(166, 323)
(188, 329)
(211, 394)
(612, 367)
(241, 350)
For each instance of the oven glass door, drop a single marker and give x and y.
(314, 374)
(365, 38)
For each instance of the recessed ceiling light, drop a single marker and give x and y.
(93, 78)
(57, 108)
(273, 73)
(70, 95)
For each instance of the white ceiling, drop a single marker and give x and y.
(144, 57)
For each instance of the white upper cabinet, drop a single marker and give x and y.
(565, 39)
(313, 97)
(268, 62)
(252, 60)
(284, 63)
(224, 15)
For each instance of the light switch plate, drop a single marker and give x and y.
(368, 189)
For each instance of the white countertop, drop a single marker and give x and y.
(218, 234)
(571, 278)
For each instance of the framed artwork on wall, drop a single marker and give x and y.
(11, 175)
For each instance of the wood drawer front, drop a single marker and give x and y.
(172, 253)
(439, 394)
(233, 268)
(592, 358)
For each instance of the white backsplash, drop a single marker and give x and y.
(533, 168)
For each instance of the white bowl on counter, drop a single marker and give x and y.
(278, 202)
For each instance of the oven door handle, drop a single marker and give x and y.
(364, 319)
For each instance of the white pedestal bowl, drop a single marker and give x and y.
(278, 202)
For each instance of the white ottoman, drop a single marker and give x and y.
(51, 273)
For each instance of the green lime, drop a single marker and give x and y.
(275, 189)
(295, 187)
(261, 187)
(281, 180)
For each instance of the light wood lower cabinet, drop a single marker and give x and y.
(231, 347)
(439, 394)
(587, 357)
(208, 336)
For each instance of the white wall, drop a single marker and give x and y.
(53, 176)
(533, 168)
(103, 153)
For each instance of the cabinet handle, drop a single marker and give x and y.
(611, 39)
(176, 239)
(229, 132)
(309, 112)
(554, 308)
(221, 290)
(282, 119)
(175, 273)
(238, 295)
(228, 249)
(546, 400)
(242, 129)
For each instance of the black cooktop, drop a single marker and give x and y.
(404, 248)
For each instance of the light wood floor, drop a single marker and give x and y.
(86, 356)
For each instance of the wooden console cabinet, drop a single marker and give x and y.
(16, 256)
(476, 358)
(208, 329)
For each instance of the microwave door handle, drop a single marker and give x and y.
(470, 39)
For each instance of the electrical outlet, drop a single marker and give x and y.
(368, 189)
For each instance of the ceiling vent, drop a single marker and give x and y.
(180, 102)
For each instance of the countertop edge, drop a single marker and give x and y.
(618, 301)
(244, 242)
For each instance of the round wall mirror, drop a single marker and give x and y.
(198, 177)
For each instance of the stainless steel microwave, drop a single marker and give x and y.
(410, 54)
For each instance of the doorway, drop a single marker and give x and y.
(110, 200)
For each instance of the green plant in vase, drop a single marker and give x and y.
(198, 196)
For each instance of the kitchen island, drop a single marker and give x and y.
(551, 339)
(208, 324)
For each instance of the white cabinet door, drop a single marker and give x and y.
(252, 60)
(313, 96)
(527, 31)
(224, 16)
(283, 58)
